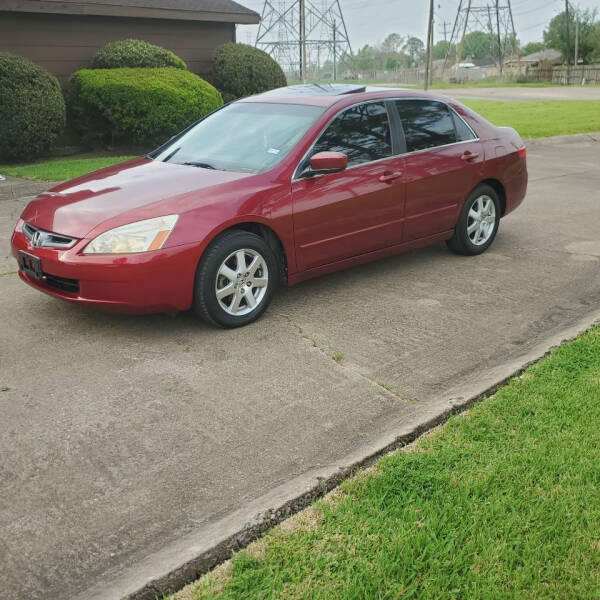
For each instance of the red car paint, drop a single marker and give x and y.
(324, 223)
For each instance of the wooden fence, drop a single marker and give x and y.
(580, 75)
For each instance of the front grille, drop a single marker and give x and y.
(63, 284)
(40, 238)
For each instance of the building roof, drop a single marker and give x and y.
(543, 55)
(196, 10)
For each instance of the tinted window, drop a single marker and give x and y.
(463, 131)
(362, 132)
(426, 124)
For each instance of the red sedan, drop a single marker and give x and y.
(273, 189)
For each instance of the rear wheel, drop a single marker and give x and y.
(235, 280)
(478, 222)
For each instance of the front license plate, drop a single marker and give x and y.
(30, 265)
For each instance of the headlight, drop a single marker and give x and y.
(142, 236)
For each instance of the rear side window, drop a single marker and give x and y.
(361, 132)
(463, 131)
(426, 124)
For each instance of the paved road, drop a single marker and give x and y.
(526, 93)
(121, 435)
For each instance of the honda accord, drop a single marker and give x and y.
(270, 190)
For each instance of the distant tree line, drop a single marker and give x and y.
(397, 51)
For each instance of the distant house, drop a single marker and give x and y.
(64, 35)
(549, 56)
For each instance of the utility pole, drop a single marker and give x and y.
(514, 34)
(576, 40)
(431, 50)
(454, 30)
(461, 46)
(303, 40)
(498, 33)
(568, 42)
(444, 30)
(334, 52)
(429, 38)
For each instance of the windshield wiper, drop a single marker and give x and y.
(202, 165)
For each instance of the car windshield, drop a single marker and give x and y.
(249, 137)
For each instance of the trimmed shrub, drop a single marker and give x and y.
(240, 70)
(137, 106)
(32, 108)
(135, 53)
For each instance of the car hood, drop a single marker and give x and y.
(78, 206)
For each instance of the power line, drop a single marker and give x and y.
(544, 5)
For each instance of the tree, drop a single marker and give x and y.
(595, 39)
(479, 45)
(415, 49)
(391, 63)
(440, 48)
(532, 47)
(392, 43)
(555, 36)
(366, 59)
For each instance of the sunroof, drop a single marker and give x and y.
(326, 89)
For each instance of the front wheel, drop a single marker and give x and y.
(478, 222)
(235, 280)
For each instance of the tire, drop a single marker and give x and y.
(475, 234)
(219, 272)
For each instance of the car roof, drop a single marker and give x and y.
(326, 95)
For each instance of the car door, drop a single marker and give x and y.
(443, 163)
(360, 209)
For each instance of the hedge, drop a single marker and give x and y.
(135, 53)
(137, 106)
(240, 70)
(32, 108)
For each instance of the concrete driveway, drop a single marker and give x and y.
(129, 442)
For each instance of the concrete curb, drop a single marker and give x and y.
(193, 555)
(564, 139)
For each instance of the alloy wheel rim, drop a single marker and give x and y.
(241, 282)
(481, 220)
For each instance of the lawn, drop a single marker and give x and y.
(500, 502)
(545, 118)
(492, 83)
(60, 170)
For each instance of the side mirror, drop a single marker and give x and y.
(327, 162)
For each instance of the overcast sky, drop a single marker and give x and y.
(370, 21)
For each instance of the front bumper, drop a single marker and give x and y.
(148, 282)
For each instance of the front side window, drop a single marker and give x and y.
(426, 124)
(361, 132)
(249, 137)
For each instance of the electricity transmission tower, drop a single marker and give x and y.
(494, 17)
(303, 35)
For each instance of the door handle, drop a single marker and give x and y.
(467, 156)
(390, 176)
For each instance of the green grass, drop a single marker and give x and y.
(338, 357)
(502, 502)
(533, 119)
(60, 170)
(492, 83)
